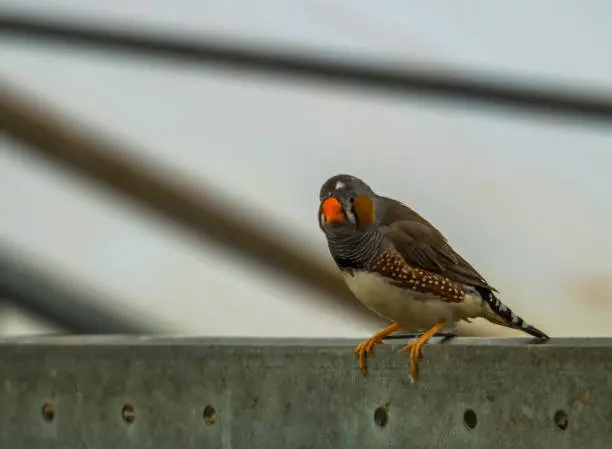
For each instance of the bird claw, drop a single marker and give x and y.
(364, 349)
(416, 354)
(416, 351)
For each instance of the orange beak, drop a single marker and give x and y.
(332, 209)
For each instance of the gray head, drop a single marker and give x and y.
(347, 204)
(347, 215)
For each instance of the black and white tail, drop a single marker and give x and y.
(504, 316)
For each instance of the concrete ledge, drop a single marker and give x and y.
(160, 392)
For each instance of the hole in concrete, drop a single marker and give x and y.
(381, 416)
(470, 419)
(128, 413)
(209, 415)
(48, 412)
(561, 420)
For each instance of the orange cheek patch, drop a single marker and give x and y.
(364, 209)
(332, 209)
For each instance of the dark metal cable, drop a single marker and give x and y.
(543, 98)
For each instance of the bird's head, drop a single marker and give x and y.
(347, 205)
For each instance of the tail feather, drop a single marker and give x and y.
(504, 316)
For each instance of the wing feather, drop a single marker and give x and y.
(423, 246)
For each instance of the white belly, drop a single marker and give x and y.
(412, 311)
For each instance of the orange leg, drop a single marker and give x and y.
(365, 348)
(415, 348)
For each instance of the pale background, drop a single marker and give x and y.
(527, 201)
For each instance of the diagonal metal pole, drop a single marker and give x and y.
(95, 159)
(546, 98)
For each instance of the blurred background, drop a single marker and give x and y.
(525, 197)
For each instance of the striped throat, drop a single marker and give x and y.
(354, 249)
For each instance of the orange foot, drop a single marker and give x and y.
(365, 348)
(416, 351)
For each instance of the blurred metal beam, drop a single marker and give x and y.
(114, 167)
(545, 97)
(75, 310)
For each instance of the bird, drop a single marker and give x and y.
(403, 268)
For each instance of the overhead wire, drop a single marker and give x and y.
(546, 98)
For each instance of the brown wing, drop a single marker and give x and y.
(423, 246)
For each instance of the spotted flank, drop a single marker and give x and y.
(393, 266)
(510, 319)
